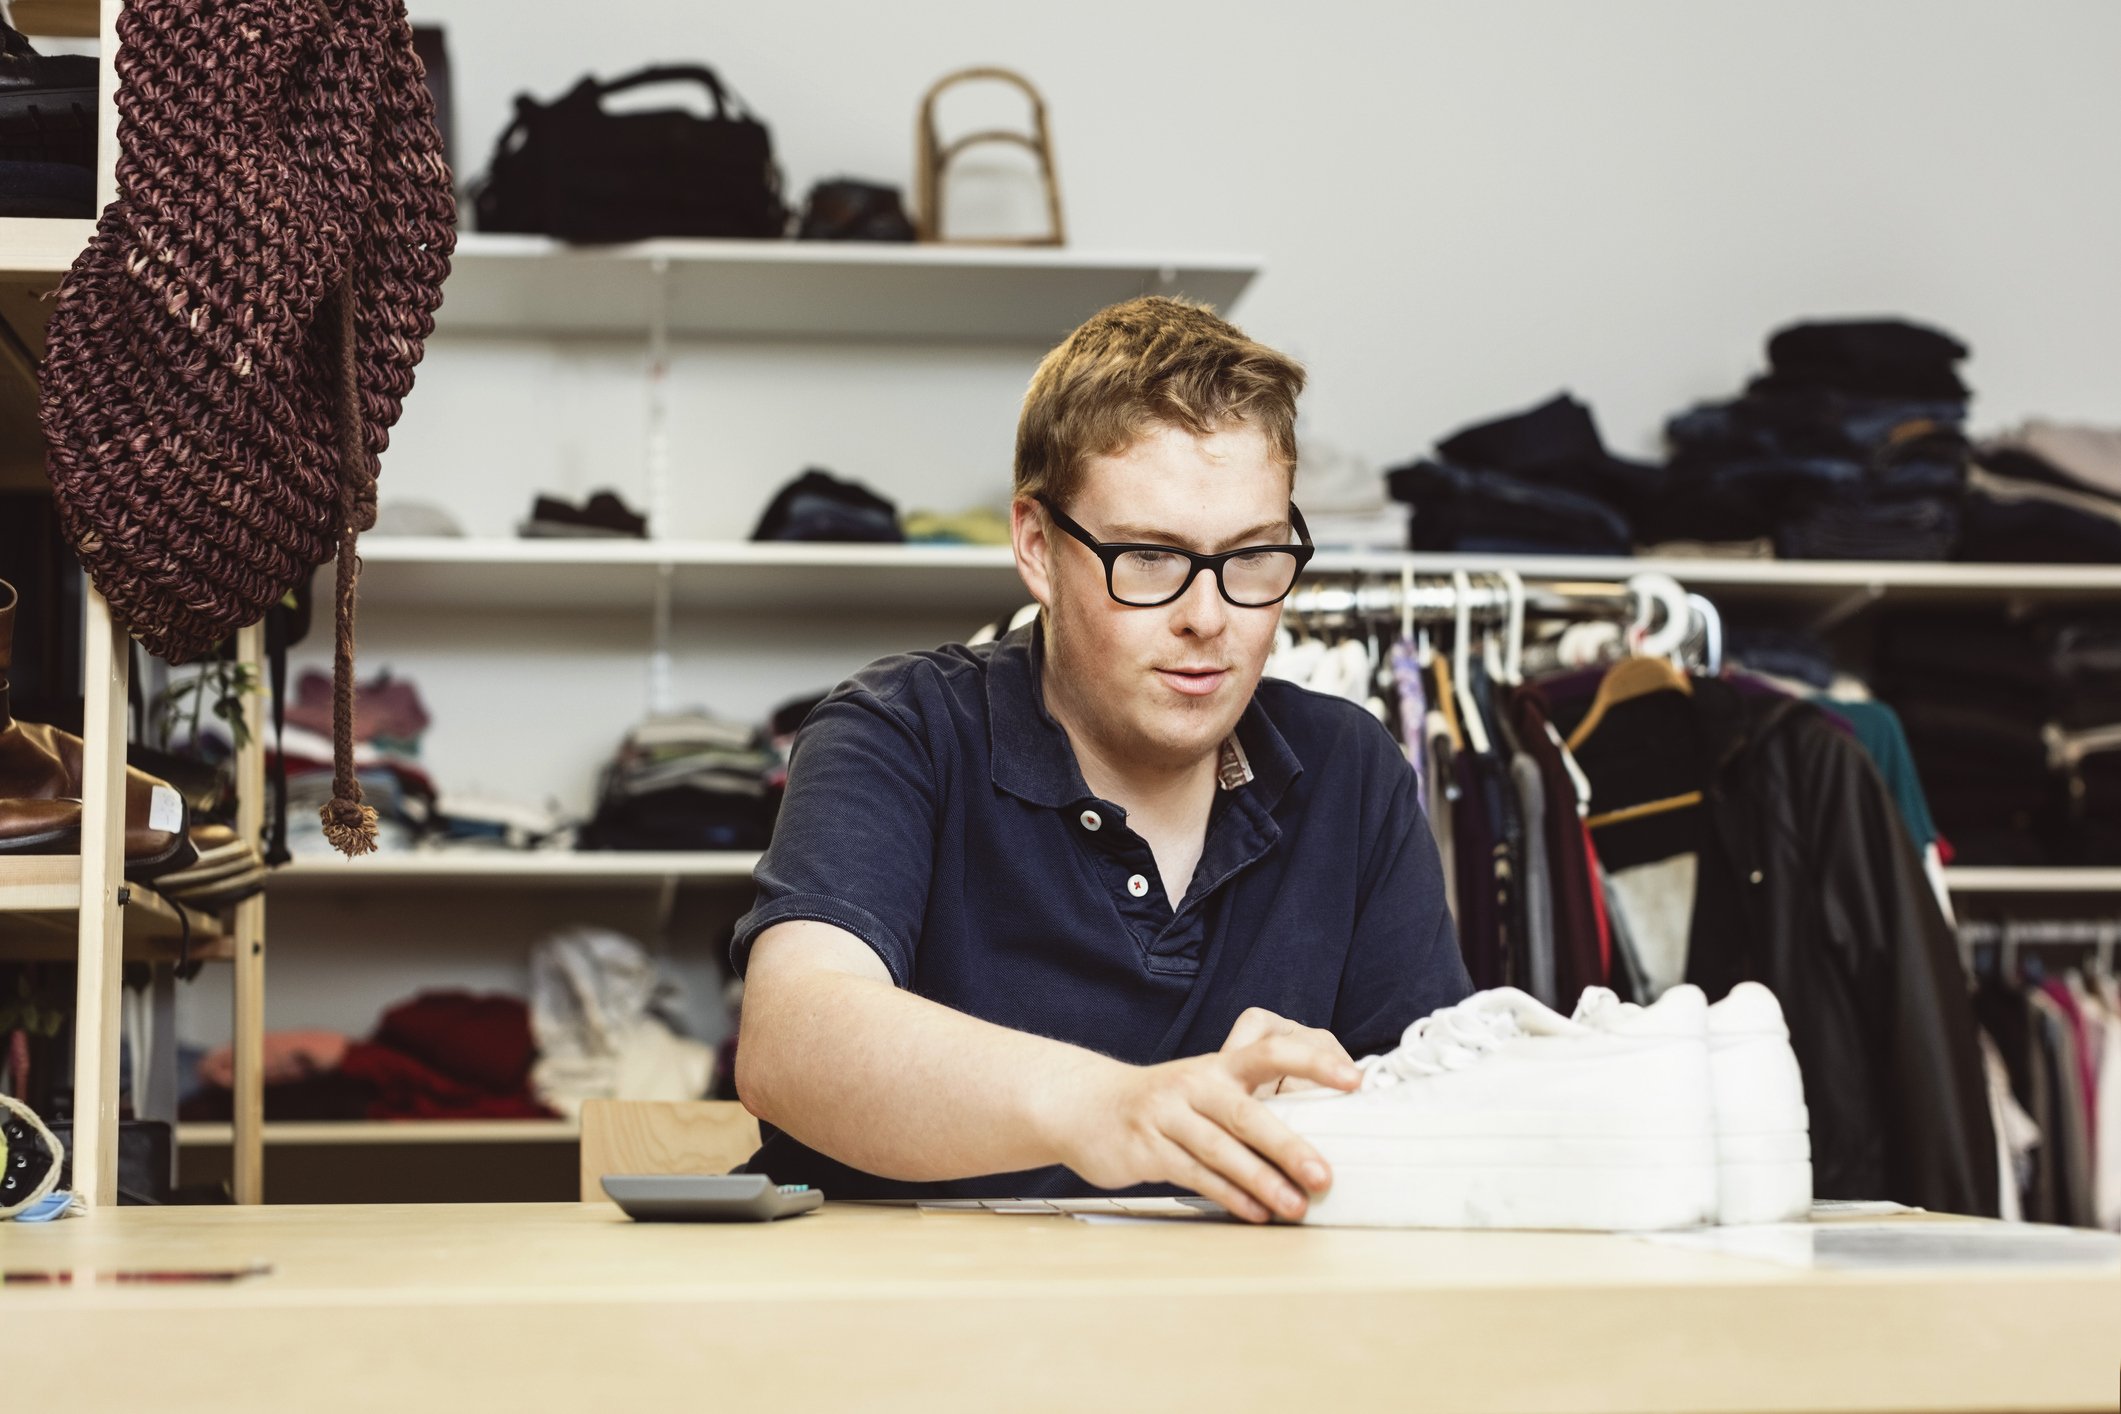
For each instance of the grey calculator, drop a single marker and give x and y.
(708, 1198)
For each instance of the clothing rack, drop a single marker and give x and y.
(1430, 601)
(2102, 934)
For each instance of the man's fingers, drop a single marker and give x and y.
(1331, 1042)
(1188, 1172)
(1213, 1146)
(1254, 1023)
(1256, 1126)
(1297, 1054)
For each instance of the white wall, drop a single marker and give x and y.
(1462, 207)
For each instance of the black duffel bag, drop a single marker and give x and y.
(570, 169)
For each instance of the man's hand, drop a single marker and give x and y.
(1257, 1023)
(1199, 1123)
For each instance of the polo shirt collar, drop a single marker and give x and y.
(1033, 760)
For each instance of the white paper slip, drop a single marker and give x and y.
(165, 810)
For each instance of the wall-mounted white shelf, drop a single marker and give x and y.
(516, 284)
(797, 578)
(518, 869)
(2033, 881)
(580, 575)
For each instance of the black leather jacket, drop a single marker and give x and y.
(1810, 884)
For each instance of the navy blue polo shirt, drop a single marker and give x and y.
(935, 811)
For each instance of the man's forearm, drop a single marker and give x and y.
(900, 1086)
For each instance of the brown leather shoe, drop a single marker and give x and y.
(40, 788)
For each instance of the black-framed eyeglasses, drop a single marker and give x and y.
(1142, 576)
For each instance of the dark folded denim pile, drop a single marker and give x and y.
(1786, 652)
(820, 506)
(1849, 447)
(47, 130)
(2048, 493)
(687, 782)
(602, 517)
(2015, 724)
(1535, 482)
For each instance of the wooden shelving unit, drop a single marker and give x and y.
(40, 902)
(80, 906)
(70, 19)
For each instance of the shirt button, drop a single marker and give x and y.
(1137, 886)
(1091, 819)
(1756, 876)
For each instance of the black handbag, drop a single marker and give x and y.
(573, 170)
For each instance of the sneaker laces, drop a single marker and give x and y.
(1595, 1003)
(1451, 1039)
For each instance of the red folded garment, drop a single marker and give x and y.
(450, 1055)
(408, 1089)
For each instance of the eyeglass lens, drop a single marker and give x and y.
(1256, 578)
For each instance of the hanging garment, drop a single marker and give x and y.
(2006, 1017)
(1577, 952)
(1536, 885)
(1658, 900)
(2066, 1130)
(2016, 1134)
(1809, 883)
(2108, 1127)
(1413, 708)
(1628, 981)
(1473, 838)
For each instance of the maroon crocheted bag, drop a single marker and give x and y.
(227, 357)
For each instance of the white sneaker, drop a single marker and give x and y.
(1763, 1131)
(1499, 1113)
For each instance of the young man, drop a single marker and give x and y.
(1051, 915)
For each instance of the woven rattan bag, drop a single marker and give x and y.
(226, 358)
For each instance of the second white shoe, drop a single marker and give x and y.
(1763, 1131)
(1501, 1113)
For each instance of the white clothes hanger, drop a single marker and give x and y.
(1513, 644)
(1667, 594)
(1462, 663)
(1711, 620)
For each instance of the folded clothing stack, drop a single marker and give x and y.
(47, 130)
(820, 506)
(389, 722)
(2046, 492)
(602, 517)
(440, 1055)
(2015, 724)
(1849, 447)
(1535, 482)
(684, 782)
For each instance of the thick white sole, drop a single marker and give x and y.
(1764, 1176)
(1605, 1184)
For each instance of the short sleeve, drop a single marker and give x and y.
(1403, 961)
(854, 844)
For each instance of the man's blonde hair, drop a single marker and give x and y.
(1150, 361)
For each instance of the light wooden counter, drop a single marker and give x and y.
(572, 1307)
